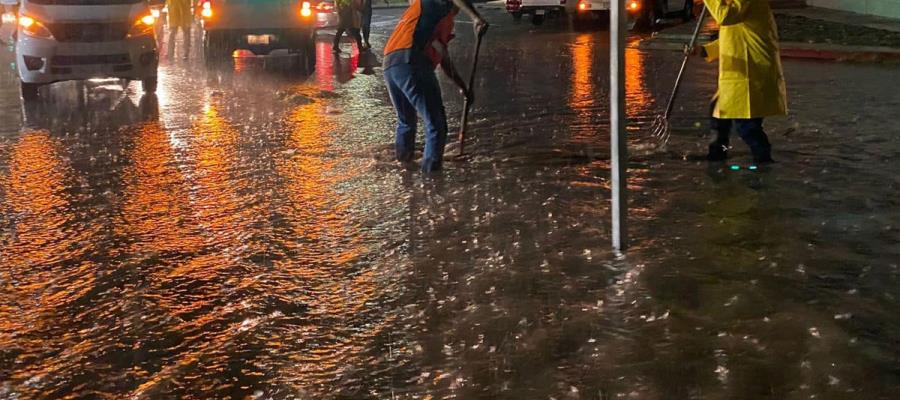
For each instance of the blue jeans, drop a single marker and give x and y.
(750, 130)
(414, 89)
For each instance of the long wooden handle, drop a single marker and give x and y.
(466, 105)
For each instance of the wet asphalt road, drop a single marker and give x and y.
(244, 234)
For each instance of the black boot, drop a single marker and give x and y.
(717, 152)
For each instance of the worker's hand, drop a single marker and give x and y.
(691, 51)
(481, 27)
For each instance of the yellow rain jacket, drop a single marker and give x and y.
(751, 82)
(179, 13)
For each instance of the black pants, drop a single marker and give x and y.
(353, 32)
(750, 130)
(366, 20)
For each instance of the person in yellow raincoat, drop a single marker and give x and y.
(180, 18)
(751, 82)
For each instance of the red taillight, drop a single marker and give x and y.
(582, 6)
(634, 5)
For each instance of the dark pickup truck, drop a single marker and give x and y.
(259, 26)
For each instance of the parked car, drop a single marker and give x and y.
(649, 14)
(259, 26)
(78, 40)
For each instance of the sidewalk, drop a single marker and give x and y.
(811, 33)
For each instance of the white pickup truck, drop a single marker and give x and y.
(63, 40)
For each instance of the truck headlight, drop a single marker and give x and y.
(33, 27)
(143, 26)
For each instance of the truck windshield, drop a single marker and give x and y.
(83, 2)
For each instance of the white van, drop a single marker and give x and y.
(61, 40)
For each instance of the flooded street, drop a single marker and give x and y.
(245, 234)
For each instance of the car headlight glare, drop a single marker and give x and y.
(33, 27)
(143, 26)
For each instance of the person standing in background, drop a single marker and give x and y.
(180, 18)
(348, 21)
(366, 22)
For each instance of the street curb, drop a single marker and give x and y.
(809, 51)
(831, 52)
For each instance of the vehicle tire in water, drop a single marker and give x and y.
(30, 91)
(215, 48)
(537, 20)
(307, 62)
(149, 84)
(580, 22)
(647, 21)
(688, 10)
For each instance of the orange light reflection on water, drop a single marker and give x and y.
(583, 90)
(39, 276)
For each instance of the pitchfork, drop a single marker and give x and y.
(661, 128)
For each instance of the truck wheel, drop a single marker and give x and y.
(215, 48)
(308, 57)
(30, 91)
(688, 11)
(149, 84)
(537, 20)
(580, 22)
(647, 21)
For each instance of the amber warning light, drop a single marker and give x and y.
(207, 11)
(306, 9)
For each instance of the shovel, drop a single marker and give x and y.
(661, 128)
(466, 105)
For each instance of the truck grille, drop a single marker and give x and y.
(92, 59)
(89, 32)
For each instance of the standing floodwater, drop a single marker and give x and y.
(244, 234)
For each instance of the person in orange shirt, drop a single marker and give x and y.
(417, 46)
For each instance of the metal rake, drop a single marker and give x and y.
(662, 128)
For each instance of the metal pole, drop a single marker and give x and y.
(618, 144)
